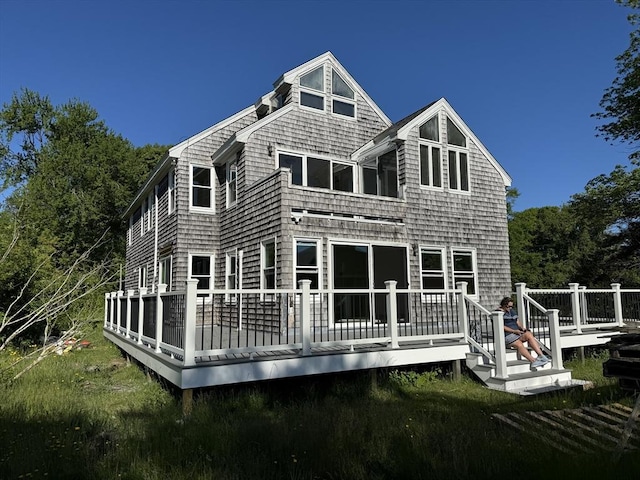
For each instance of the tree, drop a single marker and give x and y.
(621, 101)
(546, 246)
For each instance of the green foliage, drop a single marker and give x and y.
(71, 178)
(90, 414)
(621, 101)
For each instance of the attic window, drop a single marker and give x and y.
(340, 88)
(313, 80)
(430, 129)
(454, 135)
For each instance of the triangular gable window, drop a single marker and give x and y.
(340, 87)
(313, 79)
(430, 130)
(454, 135)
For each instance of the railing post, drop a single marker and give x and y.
(119, 296)
(584, 307)
(130, 294)
(162, 287)
(392, 312)
(141, 291)
(521, 289)
(112, 307)
(462, 309)
(575, 306)
(554, 337)
(617, 304)
(189, 335)
(499, 347)
(305, 316)
(107, 309)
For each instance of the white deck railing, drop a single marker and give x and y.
(192, 325)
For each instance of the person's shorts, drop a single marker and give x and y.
(510, 338)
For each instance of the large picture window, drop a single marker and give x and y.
(316, 172)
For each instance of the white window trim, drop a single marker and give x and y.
(431, 144)
(171, 198)
(130, 231)
(263, 244)
(143, 215)
(228, 259)
(443, 259)
(361, 168)
(160, 270)
(143, 277)
(197, 209)
(319, 257)
(473, 253)
(150, 209)
(332, 161)
(211, 267)
(458, 151)
(231, 165)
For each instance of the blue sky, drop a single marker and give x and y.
(524, 75)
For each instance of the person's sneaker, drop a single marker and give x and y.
(538, 362)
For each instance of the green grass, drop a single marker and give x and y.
(89, 414)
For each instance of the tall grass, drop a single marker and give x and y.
(89, 414)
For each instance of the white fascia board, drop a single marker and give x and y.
(372, 149)
(290, 76)
(442, 104)
(177, 150)
(241, 136)
(161, 168)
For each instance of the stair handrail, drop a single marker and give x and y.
(490, 356)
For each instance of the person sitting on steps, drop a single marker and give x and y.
(516, 335)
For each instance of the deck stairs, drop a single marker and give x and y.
(522, 379)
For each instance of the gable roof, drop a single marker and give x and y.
(400, 131)
(290, 76)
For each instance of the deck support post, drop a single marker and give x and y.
(159, 311)
(189, 334)
(109, 317)
(305, 313)
(617, 304)
(456, 370)
(392, 312)
(499, 347)
(187, 402)
(142, 291)
(575, 306)
(554, 338)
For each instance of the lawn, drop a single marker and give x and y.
(90, 414)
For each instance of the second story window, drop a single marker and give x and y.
(318, 172)
(344, 104)
(201, 188)
(312, 89)
(458, 156)
(380, 175)
(232, 174)
(430, 158)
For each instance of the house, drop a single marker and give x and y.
(313, 181)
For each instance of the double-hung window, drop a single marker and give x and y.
(231, 275)
(268, 266)
(433, 272)
(232, 175)
(430, 157)
(458, 158)
(316, 172)
(165, 271)
(201, 269)
(201, 188)
(142, 277)
(306, 262)
(464, 269)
